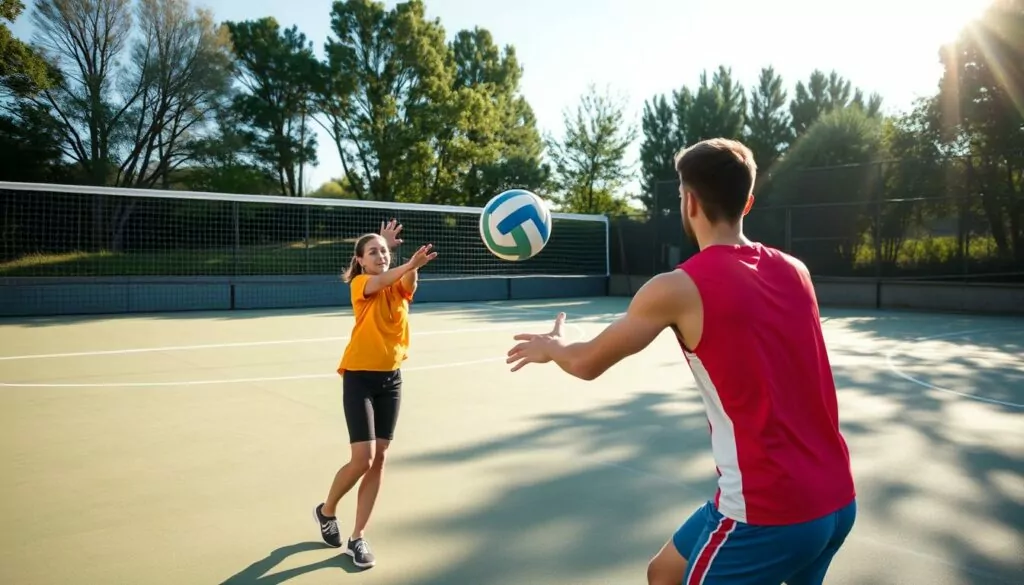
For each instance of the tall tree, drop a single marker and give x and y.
(29, 135)
(982, 97)
(917, 169)
(277, 70)
(129, 108)
(417, 118)
(718, 109)
(769, 132)
(384, 92)
(507, 148)
(823, 94)
(85, 41)
(662, 138)
(590, 170)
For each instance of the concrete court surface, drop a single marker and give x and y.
(190, 448)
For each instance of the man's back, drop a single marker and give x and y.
(763, 371)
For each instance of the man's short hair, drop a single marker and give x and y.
(721, 173)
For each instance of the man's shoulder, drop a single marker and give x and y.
(667, 289)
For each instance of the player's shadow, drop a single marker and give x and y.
(258, 573)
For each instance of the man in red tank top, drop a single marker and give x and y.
(746, 318)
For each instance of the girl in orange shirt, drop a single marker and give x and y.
(371, 377)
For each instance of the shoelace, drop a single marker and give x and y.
(331, 526)
(362, 547)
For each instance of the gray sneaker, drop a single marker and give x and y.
(359, 550)
(328, 527)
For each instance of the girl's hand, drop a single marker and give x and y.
(422, 256)
(389, 231)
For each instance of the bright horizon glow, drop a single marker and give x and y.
(644, 48)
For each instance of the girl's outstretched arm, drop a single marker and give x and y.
(386, 279)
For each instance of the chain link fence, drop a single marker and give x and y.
(952, 219)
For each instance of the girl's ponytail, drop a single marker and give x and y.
(354, 269)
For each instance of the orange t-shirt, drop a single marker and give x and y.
(380, 337)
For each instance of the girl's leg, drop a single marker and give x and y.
(368, 490)
(357, 389)
(385, 409)
(345, 479)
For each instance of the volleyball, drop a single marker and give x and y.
(515, 225)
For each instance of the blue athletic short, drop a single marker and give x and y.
(722, 551)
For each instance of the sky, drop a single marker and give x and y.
(642, 48)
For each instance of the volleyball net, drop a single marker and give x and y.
(53, 234)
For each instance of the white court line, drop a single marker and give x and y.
(270, 342)
(232, 380)
(169, 348)
(254, 380)
(896, 370)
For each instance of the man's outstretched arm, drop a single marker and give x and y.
(657, 305)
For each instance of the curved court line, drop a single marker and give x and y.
(896, 370)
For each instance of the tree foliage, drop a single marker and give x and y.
(982, 111)
(22, 70)
(129, 106)
(589, 160)
(276, 70)
(416, 118)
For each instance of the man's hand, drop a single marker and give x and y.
(389, 231)
(535, 348)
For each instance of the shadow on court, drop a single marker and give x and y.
(934, 490)
(980, 356)
(259, 573)
(575, 526)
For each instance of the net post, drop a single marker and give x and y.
(607, 248)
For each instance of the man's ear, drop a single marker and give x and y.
(750, 203)
(691, 203)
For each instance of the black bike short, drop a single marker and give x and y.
(371, 401)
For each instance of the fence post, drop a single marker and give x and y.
(306, 237)
(879, 195)
(788, 235)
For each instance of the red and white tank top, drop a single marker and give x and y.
(764, 375)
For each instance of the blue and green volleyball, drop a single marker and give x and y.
(515, 225)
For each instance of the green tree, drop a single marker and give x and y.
(507, 150)
(417, 119)
(277, 70)
(30, 141)
(661, 140)
(227, 162)
(837, 161)
(769, 131)
(130, 107)
(384, 92)
(982, 93)
(917, 169)
(337, 188)
(22, 69)
(718, 109)
(29, 135)
(823, 94)
(590, 170)
(131, 92)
